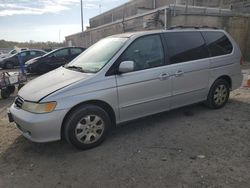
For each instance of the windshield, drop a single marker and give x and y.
(97, 56)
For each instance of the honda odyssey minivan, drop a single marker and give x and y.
(125, 77)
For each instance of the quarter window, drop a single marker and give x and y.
(146, 52)
(218, 43)
(185, 46)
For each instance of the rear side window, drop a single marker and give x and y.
(39, 53)
(75, 51)
(33, 52)
(185, 46)
(61, 53)
(218, 43)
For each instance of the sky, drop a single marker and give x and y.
(47, 20)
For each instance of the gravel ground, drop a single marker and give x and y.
(187, 147)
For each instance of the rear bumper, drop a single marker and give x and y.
(237, 81)
(39, 127)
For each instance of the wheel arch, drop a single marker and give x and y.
(228, 79)
(224, 77)
(104, 105)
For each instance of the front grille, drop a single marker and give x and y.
(19, 101)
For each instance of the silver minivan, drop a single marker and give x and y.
(124, 77)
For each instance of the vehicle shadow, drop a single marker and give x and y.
(26, 148)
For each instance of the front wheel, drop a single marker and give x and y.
(9, 65)
(5, 93)
(218, 94)
(86, 126)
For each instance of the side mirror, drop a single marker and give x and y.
(126, 66)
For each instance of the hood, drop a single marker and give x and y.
(3, 55)
(48, 83)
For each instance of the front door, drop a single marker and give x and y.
(147, 89)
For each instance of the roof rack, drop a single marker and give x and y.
(190, 27)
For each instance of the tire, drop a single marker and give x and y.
(11, 89)
(9, 65)
(218, 94)
(41, 69)
(86, 126)
(5, 93)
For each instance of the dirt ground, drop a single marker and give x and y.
(189, 147)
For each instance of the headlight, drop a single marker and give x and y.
(39, 108)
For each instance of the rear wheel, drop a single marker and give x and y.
(87, 126)
(218, 94)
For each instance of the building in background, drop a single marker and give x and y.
(136, 15)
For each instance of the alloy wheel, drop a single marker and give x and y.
(220, 94)
(89, 129)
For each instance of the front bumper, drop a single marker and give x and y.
(39, 127)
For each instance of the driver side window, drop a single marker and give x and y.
(146, 52)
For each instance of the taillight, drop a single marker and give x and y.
(241, 61)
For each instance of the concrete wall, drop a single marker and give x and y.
(127, 10)
(134, 7)
(242, 6)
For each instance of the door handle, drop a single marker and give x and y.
(179, 73)
(164, 76)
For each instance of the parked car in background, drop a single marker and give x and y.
(13, 60)
(53, 60)
(12, 52)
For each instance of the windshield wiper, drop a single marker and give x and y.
(80, 69)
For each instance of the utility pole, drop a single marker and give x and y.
(82, 16)
(100, 8)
